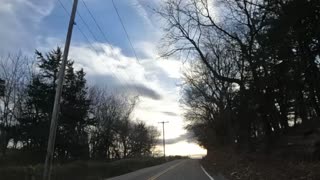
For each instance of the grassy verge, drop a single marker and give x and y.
(257, 167)
(81, 170)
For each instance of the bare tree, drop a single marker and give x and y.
(15, 69)
(115, 134)
(224, 36)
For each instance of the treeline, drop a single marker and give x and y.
(93, 122)
(254, 73)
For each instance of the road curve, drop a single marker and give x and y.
(186, 169)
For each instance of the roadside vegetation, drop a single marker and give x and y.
(82, 170)
(95, 126)
(257, 166)
(252, 88)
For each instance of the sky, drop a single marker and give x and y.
(107, 58)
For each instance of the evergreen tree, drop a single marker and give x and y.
(35, 121)
(72, 138)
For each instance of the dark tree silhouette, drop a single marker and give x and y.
(255, 67)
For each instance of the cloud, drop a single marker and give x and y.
(33, 24)
(20, 22)
(114, 84)
(144, 9)
(188, 137)
(145, 91)
(149, 78)
(110, 67)
(143, 12)
(170, 113)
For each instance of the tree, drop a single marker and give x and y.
(107, 111)
(142, 140)
(209, 106)
(72, 137)
(245, 79)
(115, 135)
(74, 120)
(15, 72)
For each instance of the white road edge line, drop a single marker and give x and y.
(211, 178)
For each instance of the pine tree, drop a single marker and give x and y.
(72, 138)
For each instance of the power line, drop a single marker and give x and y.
(94, 49)
(64, 7)
(95, 21)
(83, 34)
(125, 30)
(84, 22)
(87, 26)
(91, 45)
(103, 34)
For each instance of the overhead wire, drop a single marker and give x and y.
(107, 39)
(96, 22)
(91, 45)
(125, 30)
(83, 34)
(87, 26)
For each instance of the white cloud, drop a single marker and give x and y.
(154, 79)
(144, 9)
(109, 61)
(184, 148)
(158, 76)
(19, 21)
(6, 7)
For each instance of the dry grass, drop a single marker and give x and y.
(257, 167)
(80, 170)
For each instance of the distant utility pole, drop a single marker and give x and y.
(163, 139)
(56, 106)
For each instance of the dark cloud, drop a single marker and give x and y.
(144, 91)
(189, 137)
(170, 113)
(103, 81)
(113, 83)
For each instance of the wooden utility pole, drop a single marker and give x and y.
(163, 139)
(56, 106)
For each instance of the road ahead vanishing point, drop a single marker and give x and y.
(187, 169)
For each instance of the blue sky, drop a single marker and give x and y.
(138, 26)
(26, 25)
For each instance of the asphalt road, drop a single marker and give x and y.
(187, 169)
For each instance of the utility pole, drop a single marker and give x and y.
(56, 106)
(163, 139)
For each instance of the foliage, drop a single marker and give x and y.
(92, 123)
(83, 170)
(115, 135)
(14, 70)
(254, 166)
(254, 68)
(38, 104)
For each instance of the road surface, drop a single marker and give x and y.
(186, 169)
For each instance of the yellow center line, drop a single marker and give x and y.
(166, 170)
